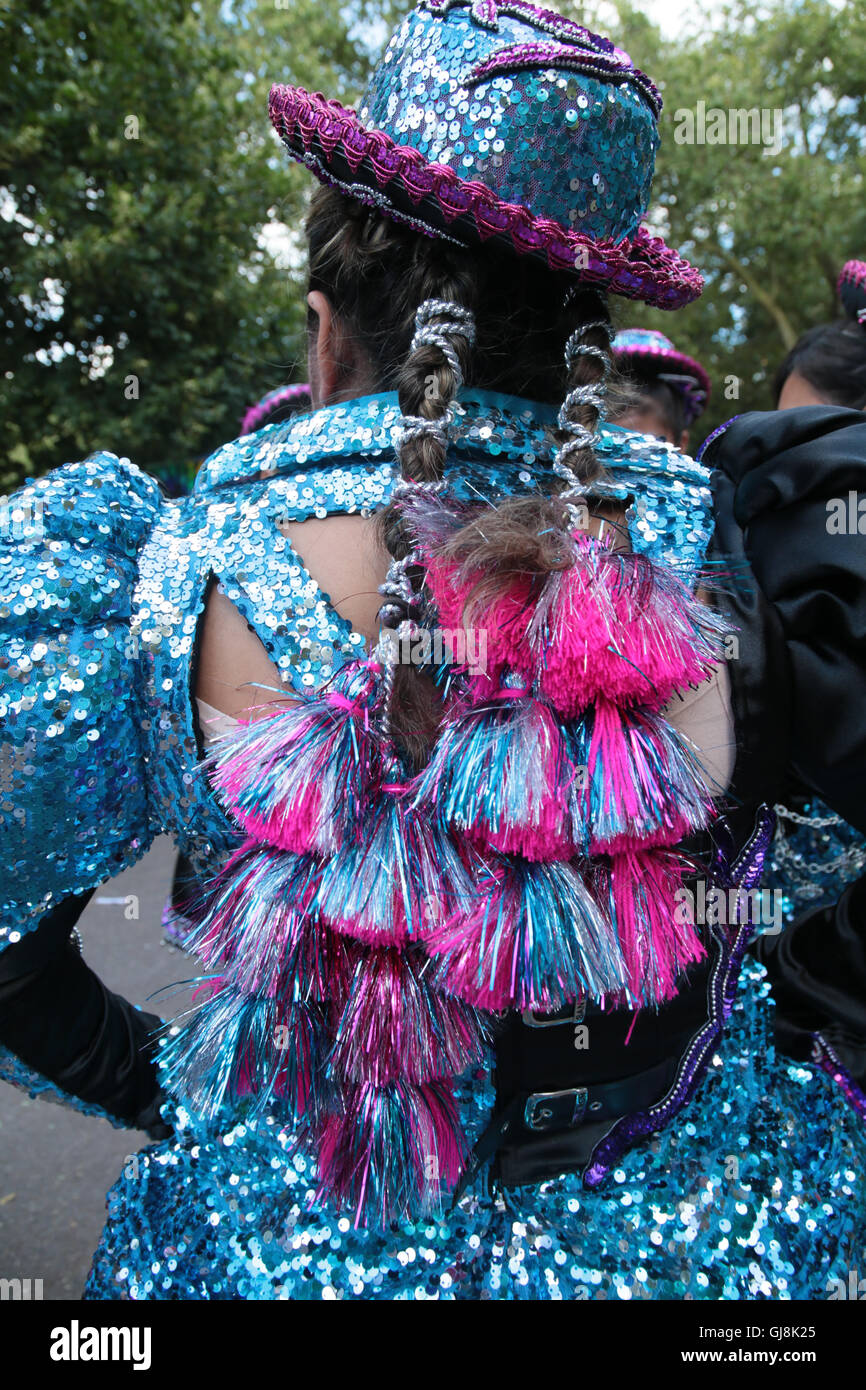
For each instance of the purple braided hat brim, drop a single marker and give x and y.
(371, 167)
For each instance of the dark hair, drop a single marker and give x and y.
(376, 273)
(832, 358)
(659, 396)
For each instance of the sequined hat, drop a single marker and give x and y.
(498, 120)
(648, 349)
(851, 286)
(282, 401)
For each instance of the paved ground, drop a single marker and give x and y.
(55, 1165)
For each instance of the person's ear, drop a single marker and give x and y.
(338, 368)
(321, 364)
(684, 442)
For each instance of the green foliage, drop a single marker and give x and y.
(142, 309)
(770, 230)
(141, 312)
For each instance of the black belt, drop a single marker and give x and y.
(541, 1134)
(566, 1081)
(556, 1101)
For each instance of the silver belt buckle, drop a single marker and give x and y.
(532, 1020)
(538, 1112)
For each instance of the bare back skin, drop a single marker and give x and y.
(344, 556)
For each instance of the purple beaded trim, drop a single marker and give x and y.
(642, 267)
(745, 872)
(486, 13)
(825, 1057)
(552, 55)
(714, 434)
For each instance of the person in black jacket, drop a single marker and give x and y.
(790, 512)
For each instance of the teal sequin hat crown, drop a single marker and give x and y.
(497, 120)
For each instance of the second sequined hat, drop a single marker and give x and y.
(648, 352)
(497, 120)
(278, 404)
(851, 286)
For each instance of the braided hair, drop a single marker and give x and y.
(430, 315)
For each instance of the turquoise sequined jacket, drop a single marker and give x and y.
(103, 581)
(103, 586)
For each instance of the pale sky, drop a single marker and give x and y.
(677, 16)
(673, 16)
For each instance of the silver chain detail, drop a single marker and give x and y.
(850, 861)
(816, 822)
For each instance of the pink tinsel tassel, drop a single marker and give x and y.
(297, 778)
(396, 1025)
(500, 772)
(624, 629)
(653, 924)
(533, 938)
(392, 1151)
(644, 785)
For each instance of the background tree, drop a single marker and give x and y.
(143, 195)
(139, 177)
(770, 230)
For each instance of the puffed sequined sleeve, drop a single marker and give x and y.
(74, 806)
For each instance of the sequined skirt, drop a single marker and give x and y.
(756, 1192)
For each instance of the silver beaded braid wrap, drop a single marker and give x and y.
(437, 323)
(593, 395)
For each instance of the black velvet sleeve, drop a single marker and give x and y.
(799, 686)
(782, 482)
(61, 1020)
